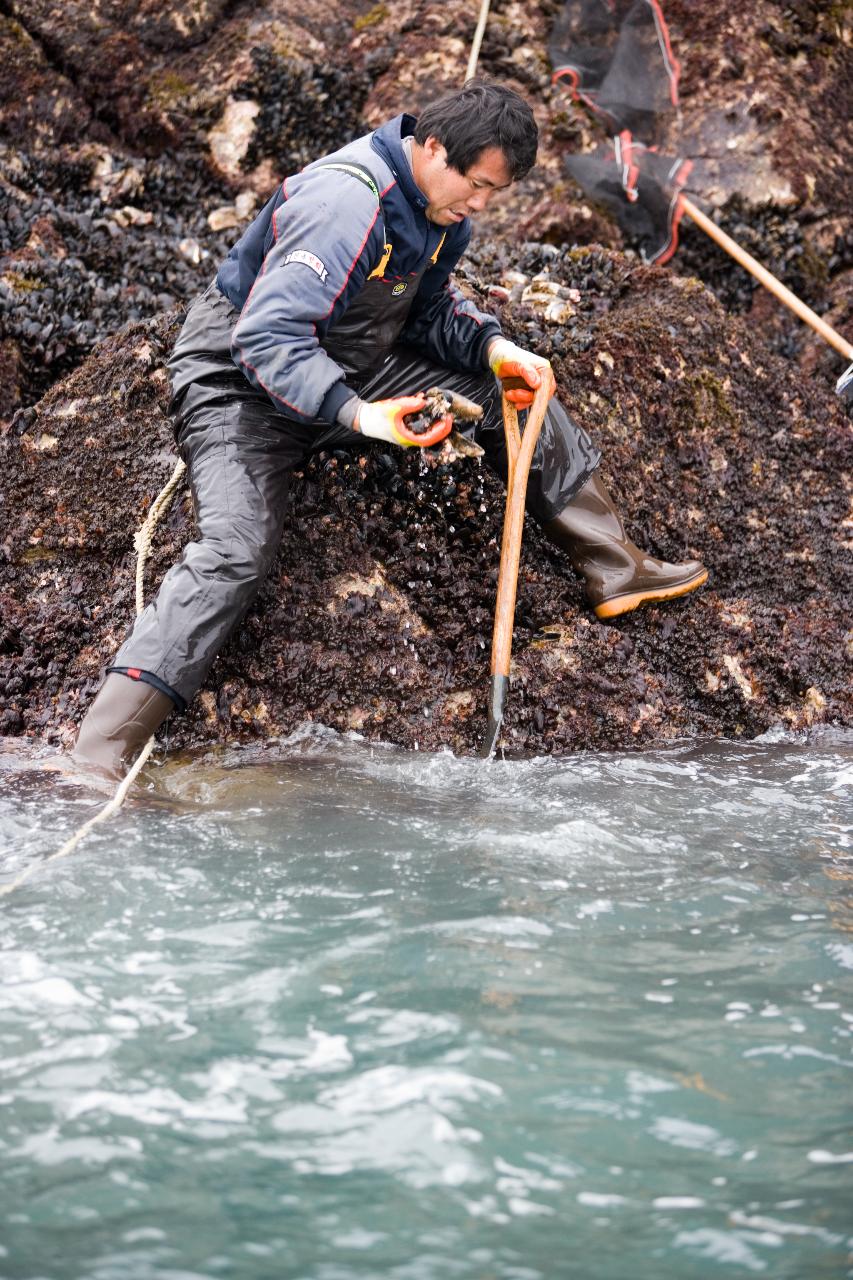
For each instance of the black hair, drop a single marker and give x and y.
(477, 116)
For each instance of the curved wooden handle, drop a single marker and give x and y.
(520, 449)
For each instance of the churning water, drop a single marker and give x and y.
(329, 1011)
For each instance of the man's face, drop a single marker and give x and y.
(453, 195)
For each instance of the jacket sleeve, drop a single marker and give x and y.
(325, 236)
(445, 325)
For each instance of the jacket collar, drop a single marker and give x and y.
(388, 141)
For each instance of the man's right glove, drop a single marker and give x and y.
(383, 420)
(520, 371)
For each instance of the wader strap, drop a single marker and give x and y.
(357, 172)
(365, 176)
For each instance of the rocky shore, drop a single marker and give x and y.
(136, 145)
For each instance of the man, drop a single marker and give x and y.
(329, 317)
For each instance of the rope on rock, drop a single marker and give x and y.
(142, 537)
(142, 543)
(111, 807)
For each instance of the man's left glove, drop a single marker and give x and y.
(520, 371)
(385, 420)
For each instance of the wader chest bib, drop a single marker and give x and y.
(368, 329)
(371, 325)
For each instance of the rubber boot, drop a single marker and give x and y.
(619, 576)
(119, 722)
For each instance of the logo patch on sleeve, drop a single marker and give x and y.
(309, 260)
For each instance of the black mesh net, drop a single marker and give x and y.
(615, 57)
(640, 188)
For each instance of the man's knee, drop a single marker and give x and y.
(237, 563)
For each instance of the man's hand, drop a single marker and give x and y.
(384, 420)
(520, 371)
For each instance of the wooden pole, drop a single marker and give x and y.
(767, 279)
(478, 39)
(520, 449)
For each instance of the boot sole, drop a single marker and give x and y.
(627, 603)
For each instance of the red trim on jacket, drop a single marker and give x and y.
(352, 265)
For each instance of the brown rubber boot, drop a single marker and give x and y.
(619, 576)
(119, 722)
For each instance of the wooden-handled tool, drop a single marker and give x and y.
(766, 278)
(520, 449)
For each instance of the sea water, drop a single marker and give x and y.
(328, 1010)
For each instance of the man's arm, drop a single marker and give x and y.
(326, 233)
(442, 323)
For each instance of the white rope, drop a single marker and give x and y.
(478, 39)
(142, 537)
(142, 543)
(111, 807)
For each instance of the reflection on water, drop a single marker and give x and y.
(324, 1010)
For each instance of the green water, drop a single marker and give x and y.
(329, 1011)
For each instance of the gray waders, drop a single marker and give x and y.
(240, 451)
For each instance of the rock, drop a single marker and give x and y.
(550, 299)
(246, 205)
(679, 385)
(115, 107)
(123, 125)
(129, 216)
(220, 219)
(230, 138)
(112, 176)
(37, 102)
(231, 215)
(190, 249)
(10, 375)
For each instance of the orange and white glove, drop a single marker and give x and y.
(520, 371)
(383, 420)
